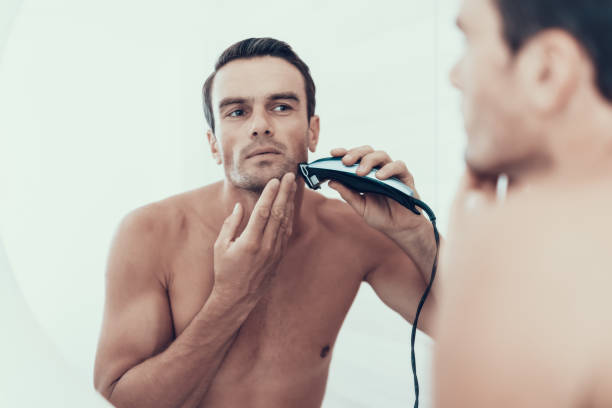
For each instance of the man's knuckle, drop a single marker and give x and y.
(263, 212)
(278, 213)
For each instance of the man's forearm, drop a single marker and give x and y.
(420, 246)
(181, 375)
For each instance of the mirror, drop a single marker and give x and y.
(102, 114)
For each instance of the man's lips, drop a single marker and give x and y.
(262, 151)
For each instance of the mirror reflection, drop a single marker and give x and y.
(106, 124)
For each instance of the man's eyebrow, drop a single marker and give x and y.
(231, 101)
(284, 95)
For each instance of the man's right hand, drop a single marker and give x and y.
(245, 265)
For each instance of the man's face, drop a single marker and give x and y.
(262, 127)
(494, 107)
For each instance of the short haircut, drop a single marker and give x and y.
(258, 47)
(588, 21)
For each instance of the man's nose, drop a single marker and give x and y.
(260, 125)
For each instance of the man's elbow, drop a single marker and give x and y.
(104, 385)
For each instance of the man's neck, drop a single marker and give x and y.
(582, 143)
(580, 153)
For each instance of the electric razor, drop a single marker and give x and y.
(332, 168)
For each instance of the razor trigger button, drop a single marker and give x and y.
(314, 180)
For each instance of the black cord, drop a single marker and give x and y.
(432, 218)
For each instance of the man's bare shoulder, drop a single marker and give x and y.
(544, 255)
(540, 226)
(560, 229)
(335, 215)
(153, 232)
(136, 254)
(339, 220)
(170, 215)
(536, 270)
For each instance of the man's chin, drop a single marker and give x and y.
(255, 179)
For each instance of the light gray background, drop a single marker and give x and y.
(100, 112)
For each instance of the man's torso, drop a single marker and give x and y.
(282, 352)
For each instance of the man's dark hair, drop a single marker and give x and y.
(259, 47)
(588, 21)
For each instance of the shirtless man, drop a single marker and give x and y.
(232, 295)
(524, 311)
(524, 304)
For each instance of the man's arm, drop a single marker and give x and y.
(137, 363)
(399, 283)
(401, 276)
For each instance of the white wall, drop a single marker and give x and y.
(101, 112)
(34, 373)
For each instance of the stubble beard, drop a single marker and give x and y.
(255, 180)
(253, 176)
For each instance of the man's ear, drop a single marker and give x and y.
(313, 133)
(214, 146)
(549, 70)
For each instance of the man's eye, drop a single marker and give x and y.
(282, 108)
(235, 113)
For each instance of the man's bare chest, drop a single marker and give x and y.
(296, 321)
